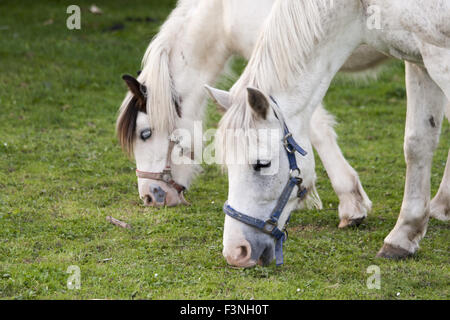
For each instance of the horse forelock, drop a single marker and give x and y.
(126, 123)
(235, 130)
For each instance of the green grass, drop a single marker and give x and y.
(62, 172)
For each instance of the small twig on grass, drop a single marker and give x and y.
(118, 222)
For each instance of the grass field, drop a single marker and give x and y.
(62, 172)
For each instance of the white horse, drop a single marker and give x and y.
(302, 46)
(191, 49)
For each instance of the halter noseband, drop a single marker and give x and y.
(166, 174)
(270, 226)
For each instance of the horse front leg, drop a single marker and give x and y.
(354, 204)
(425, 111)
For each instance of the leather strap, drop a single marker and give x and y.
(166, 175)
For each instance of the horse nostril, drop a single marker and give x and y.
(239, 256)
(243, 253)
(147, 200)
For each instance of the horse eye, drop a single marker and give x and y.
(146, 134)
(261, 164)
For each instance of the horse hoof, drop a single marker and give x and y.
(345, 223)
(391, 252)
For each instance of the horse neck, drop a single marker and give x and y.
(198, 54)
(190, 77)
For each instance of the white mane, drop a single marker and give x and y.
(288, 37)
(283, 48)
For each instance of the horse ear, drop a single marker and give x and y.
(135, 88)
(258, 102)
(220, 97)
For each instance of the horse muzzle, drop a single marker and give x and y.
(247, 254)
(245, 247)
(160, 194)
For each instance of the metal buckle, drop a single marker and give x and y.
(289, 148)
(274, 224)
(295, 173)
(166, 175)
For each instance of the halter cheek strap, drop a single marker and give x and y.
(270, 226)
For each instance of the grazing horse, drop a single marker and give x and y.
(191, 49)
(303, 45)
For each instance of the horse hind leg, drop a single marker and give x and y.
(440, 205)
(354, 204)
(437, 61)
(424, 117)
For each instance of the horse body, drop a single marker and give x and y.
(191, 49)
(297, 67)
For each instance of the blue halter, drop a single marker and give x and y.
(270, 226)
